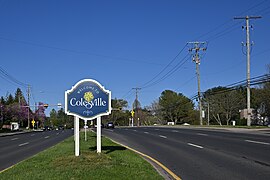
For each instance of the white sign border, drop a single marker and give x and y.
(102, 88)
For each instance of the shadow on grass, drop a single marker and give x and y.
(109, 149)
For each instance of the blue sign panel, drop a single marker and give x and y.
(88, 100)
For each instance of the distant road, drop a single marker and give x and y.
(16, 148)
(194, 153)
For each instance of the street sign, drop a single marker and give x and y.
(88, 100)
(33, 123)
(132, 113)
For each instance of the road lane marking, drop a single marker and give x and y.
(47, 137)
(194, 145)
(110, 130)
(175, 131)
(14, 139)
(201, 134)
(23, 144)
(257, 142)
(162, 136)
(157, 129)
(57, 133)
(146, 132)
(32, 134)
(135, 130)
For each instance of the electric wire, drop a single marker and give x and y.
(168, 65)
(11, 78)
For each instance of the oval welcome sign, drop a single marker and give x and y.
(88, 99)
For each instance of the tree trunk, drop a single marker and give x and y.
(217, 118)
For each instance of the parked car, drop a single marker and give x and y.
(109, 125)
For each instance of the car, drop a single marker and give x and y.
(109, 125)
(47, 128)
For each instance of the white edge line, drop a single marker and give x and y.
(194, 145)
(257, 142)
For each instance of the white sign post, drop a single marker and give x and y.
(87, 100)
(77, 136)
(99, 135)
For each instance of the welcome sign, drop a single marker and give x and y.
(88, 99)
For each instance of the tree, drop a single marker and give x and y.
(19, 98)
(224, 103)
(9, 99)
(119, 115)
(40, 113)
(53, 118)
(155, 110)
(175, 107)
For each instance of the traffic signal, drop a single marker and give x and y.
(45, 105)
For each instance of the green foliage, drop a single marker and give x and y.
(12, 109)
(119, 115)
(175, 107)
(224, 103)
(59, 118)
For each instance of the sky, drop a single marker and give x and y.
(124, 44)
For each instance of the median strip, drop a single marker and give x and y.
(23, 144)
(257, 142)
(194, 145)
(59, 162)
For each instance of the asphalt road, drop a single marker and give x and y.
(16, 148)
(194, 153)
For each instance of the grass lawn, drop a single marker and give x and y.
(59, 162)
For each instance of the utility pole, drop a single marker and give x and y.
(136, 104)
(196, 47)
(247, 18)
(28, 101)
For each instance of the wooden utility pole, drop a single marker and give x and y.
(196, 47)
(28, 101)
(247, 18)
(136, 105)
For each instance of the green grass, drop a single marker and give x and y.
(59, 162)
(231, 126)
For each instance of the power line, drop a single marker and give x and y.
(78, 52)
(169, 64)
(169, 73)
(10, 78)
